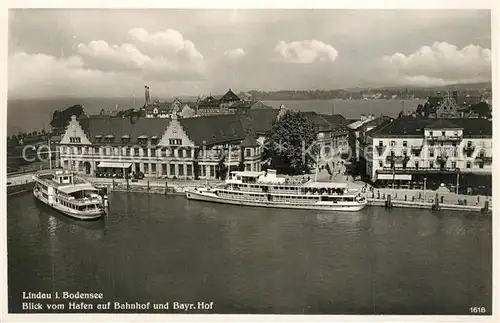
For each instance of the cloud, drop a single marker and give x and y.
(306, 51)
(168, 44)
(162, 56)
(235, 53)
(99, 55)
(41, 75)
(441, 63)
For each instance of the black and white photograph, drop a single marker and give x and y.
(218, 161)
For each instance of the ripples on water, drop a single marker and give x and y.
(255, 260)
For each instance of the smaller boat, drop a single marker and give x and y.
(68, 194)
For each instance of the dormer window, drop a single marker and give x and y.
(98, 138)
(155, 111)
(110, 138)
(154, 139)
(125, 138)
(142, 139)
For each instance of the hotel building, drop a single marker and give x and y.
(409, 151)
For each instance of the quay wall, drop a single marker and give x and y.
(399, 198)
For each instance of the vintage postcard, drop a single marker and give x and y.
(198, 163)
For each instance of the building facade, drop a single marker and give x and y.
(184, 148)
(410, 151)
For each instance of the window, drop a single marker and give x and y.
(153, 152)
(481, 154)
(454, 153)
(164, 169)
(127, 151)
(248, 152)
(181, 170)
(96, 150)
(75, 140)
(212, 170)
(172, 170)
(469, 153)
(247, 167)
(481, 165)
(188, 152)
(180, 152)
(153, 168)
(136, 151)
(468, 164)
(453, 164)
(431, 164)
(393, 143)
(416, 164)
(380, 164)
(175, 142)
(146, 168)
(431, 152)
(405, 143)
(431, 133)
(79, 150)
(189, 170)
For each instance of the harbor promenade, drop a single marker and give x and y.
(404, 198)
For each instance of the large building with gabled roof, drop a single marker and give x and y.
(408, 151)
(202, 147)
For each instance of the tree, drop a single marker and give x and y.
(482, 109)
(60, 119)
(290, 146)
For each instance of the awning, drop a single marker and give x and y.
(114, 165)
(404, 177)
(75, 188)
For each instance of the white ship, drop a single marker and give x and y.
(69, 194)
(266, 189)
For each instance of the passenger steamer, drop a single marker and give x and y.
(269, 190)
(69, 194)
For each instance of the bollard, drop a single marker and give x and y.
(413, 198)
(383, 196)
(148, 186)
(486, 207)
(406, 197)
(388, 202)
(166, 188)
(378, 194)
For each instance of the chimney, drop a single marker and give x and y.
(147, 96)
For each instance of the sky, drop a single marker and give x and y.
(116, 52)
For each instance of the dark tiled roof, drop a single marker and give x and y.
(117, 126)
(466, 101)
(258, 121)
(214, 129)
(475, 127)
(250, 141)
(336, 120)
(317, 119)
(230, 96)
(442, 124)
(434, 100)
(414, 127)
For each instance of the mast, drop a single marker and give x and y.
(229, 162)
(317, 167)
(50, 154)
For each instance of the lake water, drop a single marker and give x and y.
(34, 115)
(254, 260)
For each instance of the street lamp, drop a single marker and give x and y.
(425, 186)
